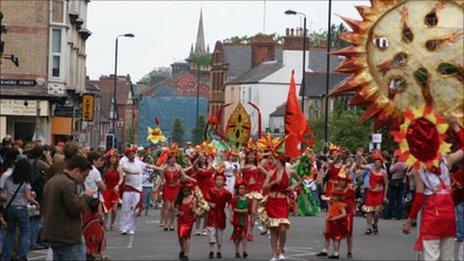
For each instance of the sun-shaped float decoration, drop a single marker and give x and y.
(405, 53)
(155, 135)
(422, 138)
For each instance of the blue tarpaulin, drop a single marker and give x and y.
(167, 108)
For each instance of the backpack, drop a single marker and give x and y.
(38, 181)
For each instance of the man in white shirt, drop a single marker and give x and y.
(231, 169)
(94, 180)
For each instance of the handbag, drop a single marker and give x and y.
(3, 210)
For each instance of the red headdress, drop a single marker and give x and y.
(377, 155)
(112, 153)
(272, 146)
(231, 152)
(129, 150)
(220, 174)
(240, 183)
(173, 150)
(334, 148)
(207, 148)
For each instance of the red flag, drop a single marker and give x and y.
(296, 127)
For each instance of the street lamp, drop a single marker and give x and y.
(303, 82)
(115, 106)
(197, 61)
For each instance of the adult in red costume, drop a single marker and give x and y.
(113, 179)
(376, 193)
(204, 175)
(217, 197)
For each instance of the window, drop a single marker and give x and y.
(58, 11)
(56, 52)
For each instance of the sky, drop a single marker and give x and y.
(165, 30)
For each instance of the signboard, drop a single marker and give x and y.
(87, 107)
(17, 83)
(66, 111)
(23, 107)
(377, 138)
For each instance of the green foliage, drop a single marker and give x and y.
(177, 131)
(155, 75)
(198, 132)
(204, 59)
(320, 38)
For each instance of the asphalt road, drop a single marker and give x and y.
(304, 241)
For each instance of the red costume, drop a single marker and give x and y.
(204, 179)
(109, 195)
(240, 220)
(349, 199)
(171, 185)
(332, 182)
(277, 208)
(186, 220)
(217, 216)
(336, 229)
(255, 181)
(93, 232)
(374, 199)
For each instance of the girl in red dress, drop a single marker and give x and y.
(204, 176)
(217, 197)
(184, 209)
(254, 179)
(376, 193)
(240, 208)
(276, 208)
(113, 179)
(335, 229)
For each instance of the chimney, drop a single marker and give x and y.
(295, 41)
(262, 49)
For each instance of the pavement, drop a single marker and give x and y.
(305, 240)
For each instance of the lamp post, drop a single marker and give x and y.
(303, 82)
(115, 106)
(329, 43)
(197, 61)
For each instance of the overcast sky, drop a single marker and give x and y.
(165, 30)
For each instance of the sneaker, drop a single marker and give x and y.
(245, 254)
(204, 233)
(181, 255)
(237, 255)
(211, 255)
(273, 259)
(123, 233)
(322, 254)
(166, 229)
(281, 257)
(171, 229)
(132, 232)
(218, 255)
(334, 257)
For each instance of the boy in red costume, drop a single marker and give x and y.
(217, 197)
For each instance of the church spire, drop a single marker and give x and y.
(200, 43)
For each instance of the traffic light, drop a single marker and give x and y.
(109, 138)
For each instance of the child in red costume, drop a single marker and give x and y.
(184, 209)
(217, 197)
(335, 224)
(240, 213)
(94, 232)
(347, 188)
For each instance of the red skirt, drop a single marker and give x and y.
(438, 219)
(277, 207)
(374, 199)
(348, 224)
(110, 197)
(184, 228)
(170, 192)
(256, 187)
(94, 234)
(239, 233)
(336, 229)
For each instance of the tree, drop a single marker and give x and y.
(177, 131)
(198, 132)
(204, 59)
(320, 38)
(157, 74)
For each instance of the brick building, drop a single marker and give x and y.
(39, 99)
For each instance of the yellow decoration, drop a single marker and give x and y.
(155, 135)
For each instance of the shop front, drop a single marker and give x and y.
(26, 120)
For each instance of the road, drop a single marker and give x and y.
(304, 241)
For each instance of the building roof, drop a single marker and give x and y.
(315, 82)
(90, 86)
(318, 60)
(280, 111)
(258, 73)
(239, 59)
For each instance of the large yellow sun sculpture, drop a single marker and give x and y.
(405, 54)
(155, 135)
(422, 138)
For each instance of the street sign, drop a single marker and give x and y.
(109, 140)
(87, 106)
(377, 138)
(17, 82)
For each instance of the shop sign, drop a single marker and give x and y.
(87, 106)
(17, 83)
(66, 111)
(23, 107)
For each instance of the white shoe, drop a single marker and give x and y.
(274, 258)
(132, 232)
(281, 257)
(204, 233)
